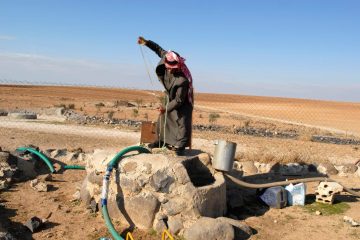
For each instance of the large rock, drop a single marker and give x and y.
(242, 230)
(175, 224)
(209, 228)
(357, 173)
(27, 167)
(294, 169)
(5, 235)
(249, 167)
(6, 171)
(349, 168)
(4, 156)
(156, 190)
(327, 169)
(142, 209)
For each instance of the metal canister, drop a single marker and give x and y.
(224, 155)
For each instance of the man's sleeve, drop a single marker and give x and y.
(156, 48)
(180, 98)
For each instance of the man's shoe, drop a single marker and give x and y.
(180, 151)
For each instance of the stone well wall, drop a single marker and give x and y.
(158, 191)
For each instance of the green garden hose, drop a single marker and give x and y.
(40, 155)
(106, 182)
(75, 167)
(47, 161)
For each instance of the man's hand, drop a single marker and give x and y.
(141, 41)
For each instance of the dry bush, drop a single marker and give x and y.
(213, 117)
(110, 114)
(99, 105)
(71, 106)
(306, 136)
(266, 156)
(135, 113)
(246, 123)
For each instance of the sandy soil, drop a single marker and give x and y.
(340, 116)
(70, 219)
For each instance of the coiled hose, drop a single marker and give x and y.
(282, 183)
(106, 182)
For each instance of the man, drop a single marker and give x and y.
(177, 114)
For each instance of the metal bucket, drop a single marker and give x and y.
(224, 155)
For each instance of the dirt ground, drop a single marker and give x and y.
(234, 110)
(70, 219)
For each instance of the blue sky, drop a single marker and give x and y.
(290, 48)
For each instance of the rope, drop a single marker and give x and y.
(146, 65)
(166, 111)
(167, 98)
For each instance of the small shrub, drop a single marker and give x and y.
(135, 113)
(247, 123)
(152, 232)
(110, 114)
(139, 102)
(213, 117)
(61, 105)
(100, 104)
(71, 106)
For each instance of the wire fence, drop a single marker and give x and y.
(226, 113)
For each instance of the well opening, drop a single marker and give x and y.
(199, 174)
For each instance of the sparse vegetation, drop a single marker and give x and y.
(327, 209)
(110, 114)
(246, 123)
(71, 106)
(152, 232)
(99, 105)
(267, 156)
(139, 102)
(135, 113)
(213, 117)
(68, 106)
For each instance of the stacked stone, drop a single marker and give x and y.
(326, 192)
(6, 171)
(156, 191)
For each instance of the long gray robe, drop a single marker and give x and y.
(177, 130)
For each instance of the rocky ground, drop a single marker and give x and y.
(60, 199)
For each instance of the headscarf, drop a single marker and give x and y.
(172, 61)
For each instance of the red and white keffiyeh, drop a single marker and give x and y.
(172, 61)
